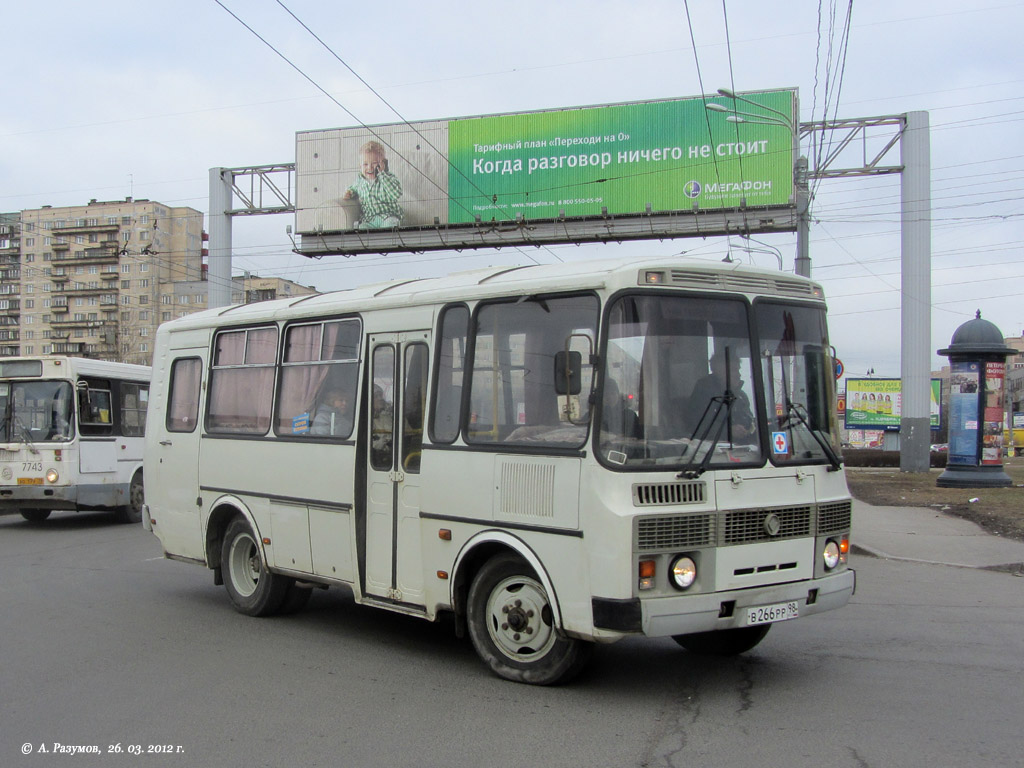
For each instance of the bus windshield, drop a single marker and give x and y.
(678, 384)
(35, 411)
(799, 382)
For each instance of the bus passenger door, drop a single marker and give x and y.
(172, 453)
(395, 421)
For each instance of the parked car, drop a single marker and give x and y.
(940, 447)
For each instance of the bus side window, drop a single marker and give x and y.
(95, 416)
(319, 375)
(183, 402)
(414, 400)
(382, 408)
(134, 400)
(242, 381)
(451, 360)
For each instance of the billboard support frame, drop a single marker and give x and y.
(541, 232)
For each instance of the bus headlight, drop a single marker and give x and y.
(684, 572)
(52, 476)
(831, 554)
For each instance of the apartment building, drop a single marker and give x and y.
(10, 282)
(96, 280)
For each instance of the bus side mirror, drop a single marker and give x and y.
(568, 373)
(818, 369)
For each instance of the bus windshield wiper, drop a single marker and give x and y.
(794, 409)
(718, 401)
(24, 434)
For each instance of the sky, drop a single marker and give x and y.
(112, 99)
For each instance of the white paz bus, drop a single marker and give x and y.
(558, 455)
(71, 436)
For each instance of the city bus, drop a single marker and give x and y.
(71, 436)
(557, 456)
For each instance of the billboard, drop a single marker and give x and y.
(878, 403)
(650, 169)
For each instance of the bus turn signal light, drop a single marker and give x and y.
(647, 569)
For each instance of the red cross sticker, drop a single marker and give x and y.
(780, 443)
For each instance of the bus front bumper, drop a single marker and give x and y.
(685, 614)
(57, 497)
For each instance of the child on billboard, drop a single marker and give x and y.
(376, 189)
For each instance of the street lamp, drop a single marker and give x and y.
(734, 116)
(802, 196)
(767, 248)
(729, 94)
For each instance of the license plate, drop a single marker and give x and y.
(766, 614)
(30, 481)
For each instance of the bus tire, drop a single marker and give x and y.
(512, 627)
(253, 590)
(35, 515)
(132, 511)
(295, 598)
(723, 642)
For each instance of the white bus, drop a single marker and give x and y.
(71, 436)
(557, 455)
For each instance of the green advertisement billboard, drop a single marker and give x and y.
(622, 159)
(654, 169)
(878, 403)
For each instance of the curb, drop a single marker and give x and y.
(1015, 569)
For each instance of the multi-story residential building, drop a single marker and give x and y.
(10, 283)
(97, 279)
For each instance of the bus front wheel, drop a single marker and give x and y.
(132, 511)
(723, 642)
(253, 590)
(512, 626)
(35, 515)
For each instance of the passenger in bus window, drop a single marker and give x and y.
(331, 417)
(617, 417)
(383, 422)
(60, 426)
(714, 385)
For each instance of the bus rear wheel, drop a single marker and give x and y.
(253, 590)
(512, 627)
(723, 642)
(35, 515)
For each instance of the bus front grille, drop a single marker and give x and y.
(744, 526)
(834, 517)
(675, 532)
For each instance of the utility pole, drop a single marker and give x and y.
(916, 293)
(803, 219)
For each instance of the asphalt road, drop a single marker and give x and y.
(107, 645)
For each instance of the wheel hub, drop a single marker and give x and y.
(519, 628)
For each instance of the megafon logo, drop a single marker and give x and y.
(692, 189)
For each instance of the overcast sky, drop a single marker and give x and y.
(109, 99)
